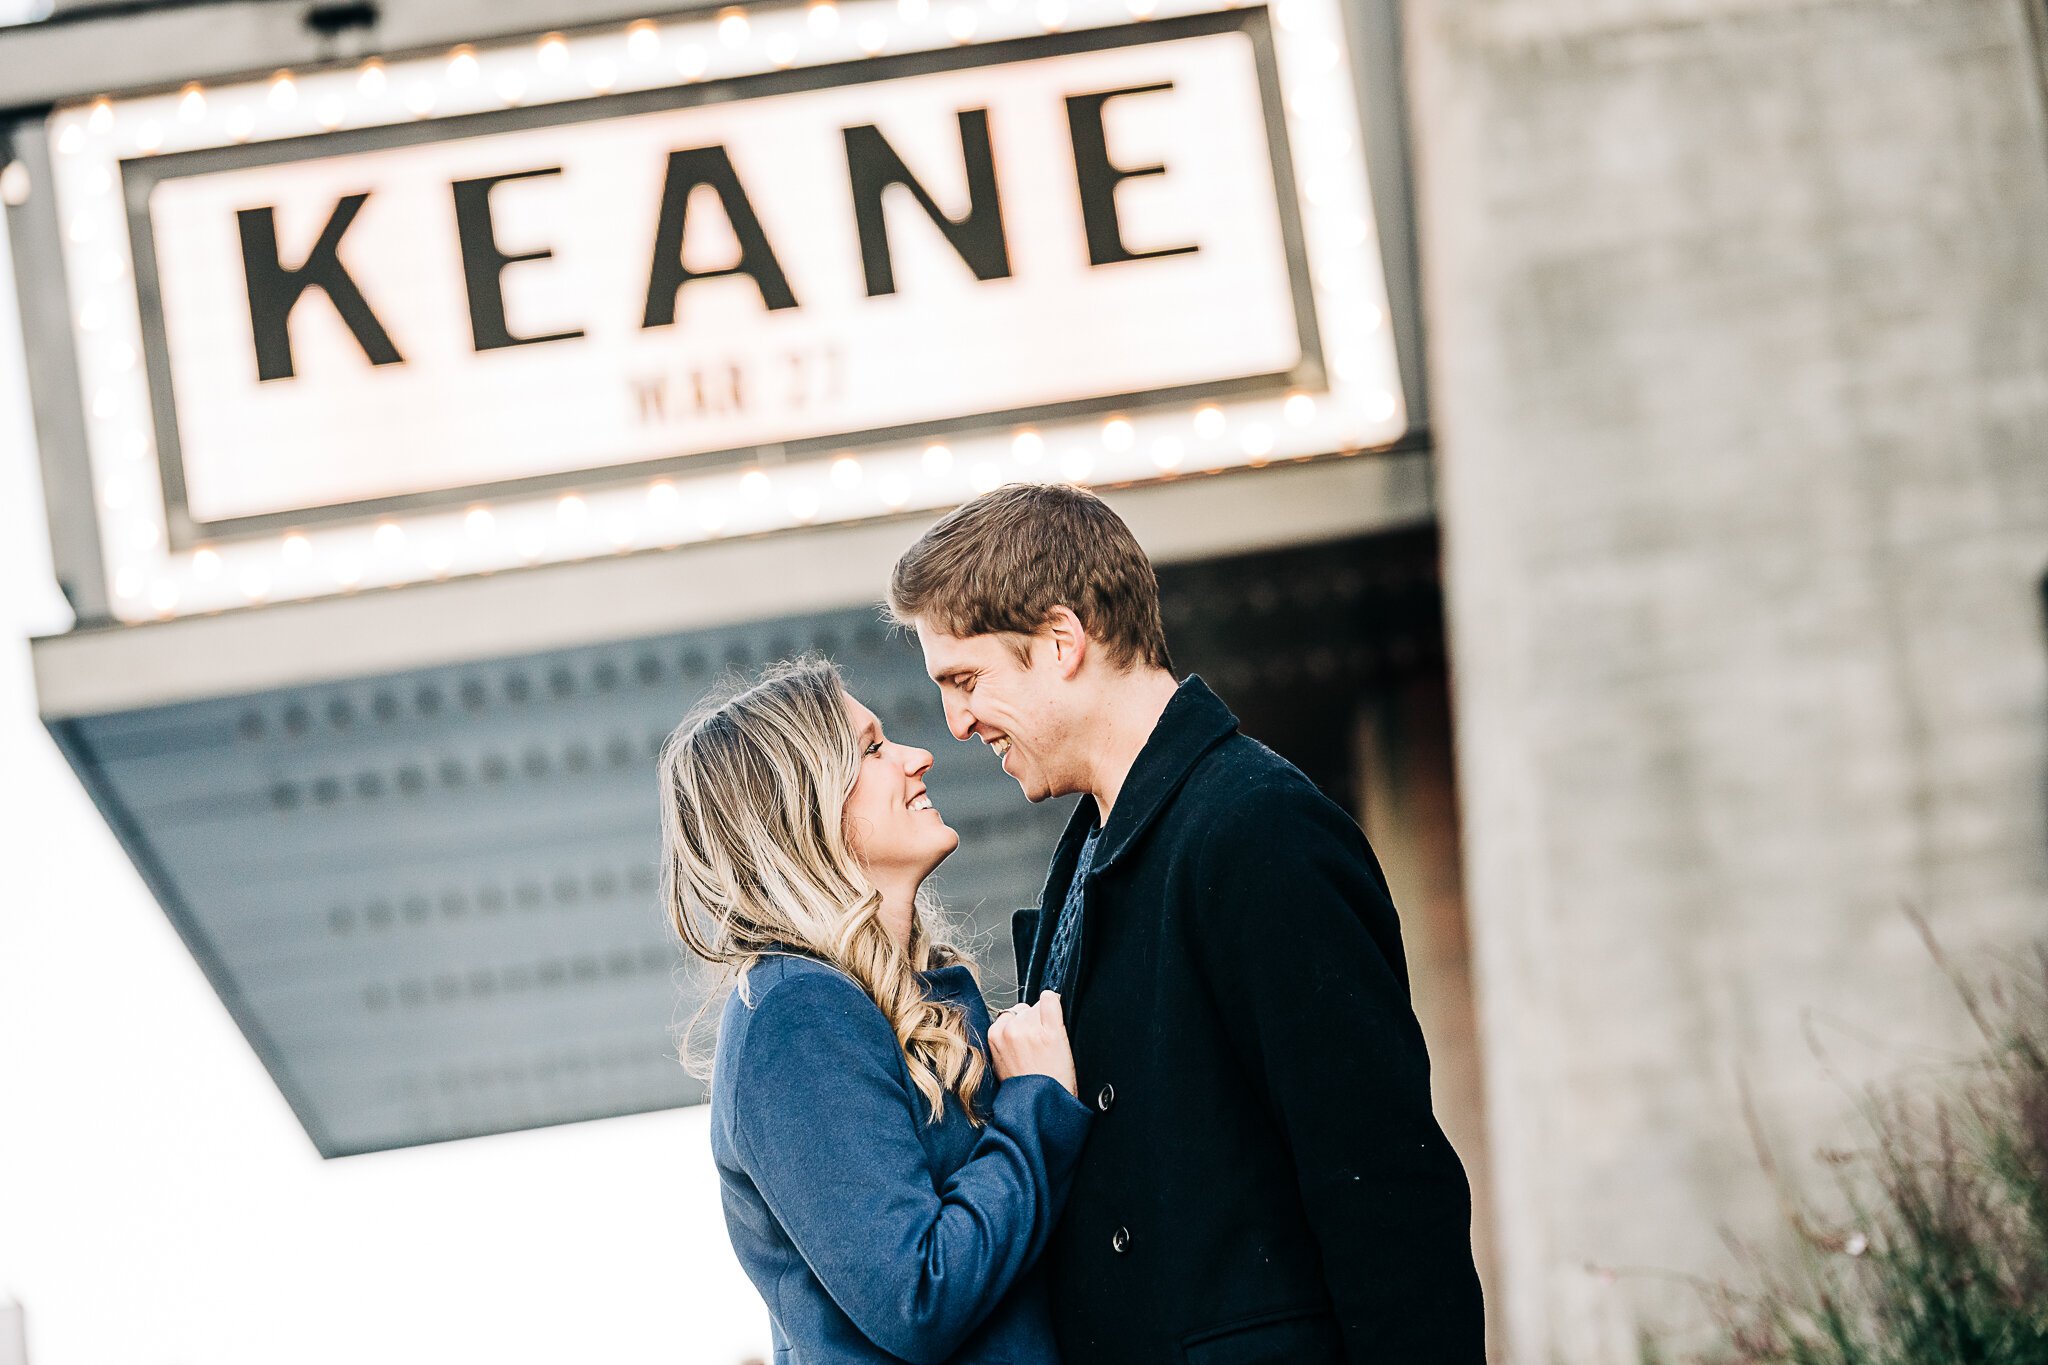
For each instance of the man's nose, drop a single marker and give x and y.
(960, 721)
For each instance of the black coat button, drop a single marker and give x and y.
(1120, 1240)
(1105, 1097)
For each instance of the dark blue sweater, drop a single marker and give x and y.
(872, 1233)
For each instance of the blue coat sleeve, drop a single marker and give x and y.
(828, 1130)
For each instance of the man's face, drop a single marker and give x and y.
(1018, 709)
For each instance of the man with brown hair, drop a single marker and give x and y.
(1265, 1183)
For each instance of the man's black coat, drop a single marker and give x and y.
(1265, 1183)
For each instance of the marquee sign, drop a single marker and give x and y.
(623, 290)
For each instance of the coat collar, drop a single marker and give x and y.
(1194, 721)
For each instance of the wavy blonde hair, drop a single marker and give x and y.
(756, 862)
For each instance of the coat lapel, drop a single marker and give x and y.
(1195, 721)
(1052, 896)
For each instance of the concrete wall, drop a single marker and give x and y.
(1739, 362)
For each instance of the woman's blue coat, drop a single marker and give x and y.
(872, 1233)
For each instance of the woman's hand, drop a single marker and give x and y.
(1031, 1040)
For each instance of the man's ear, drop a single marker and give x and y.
(1069, 640)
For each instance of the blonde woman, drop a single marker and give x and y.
(884, 1191)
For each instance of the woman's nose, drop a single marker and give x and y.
(917, 762)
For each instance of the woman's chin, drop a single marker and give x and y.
(943, 850)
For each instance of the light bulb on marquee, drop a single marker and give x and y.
(1323, 55)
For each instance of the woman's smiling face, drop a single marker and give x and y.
(890, 819)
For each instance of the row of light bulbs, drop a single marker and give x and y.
(667, 511)
(654, 55)
(1359, 409)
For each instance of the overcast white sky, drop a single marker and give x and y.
(160, 1206)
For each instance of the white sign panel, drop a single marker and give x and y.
(625, 289)
(515, 305)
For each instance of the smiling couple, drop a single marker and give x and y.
(1204, 1137)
